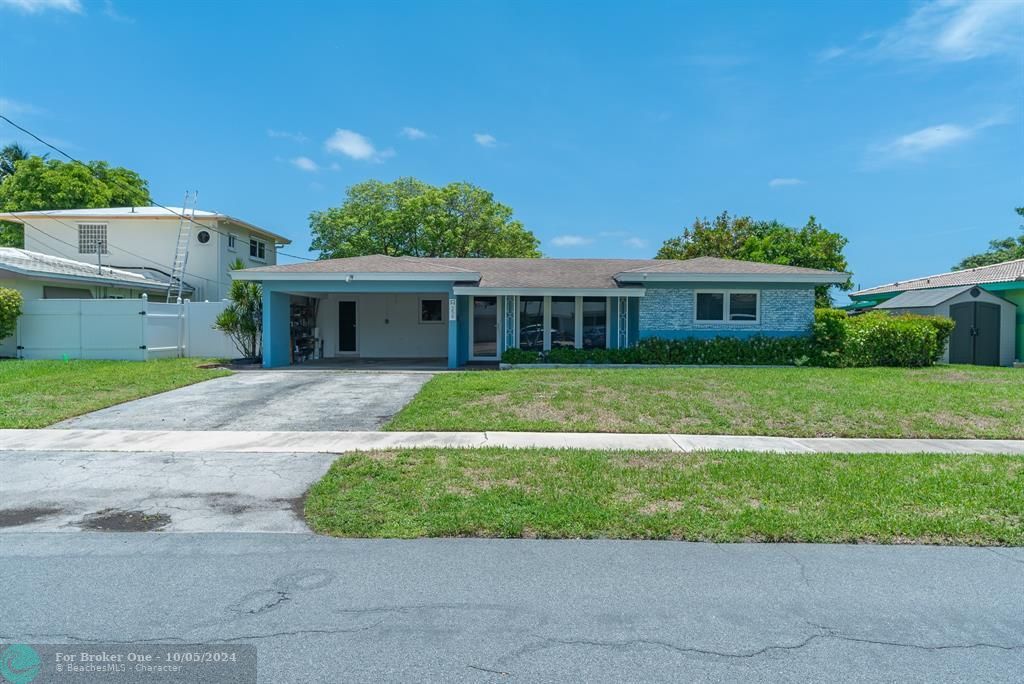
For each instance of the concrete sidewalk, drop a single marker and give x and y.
(338, 442)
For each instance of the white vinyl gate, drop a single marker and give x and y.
(126, 329)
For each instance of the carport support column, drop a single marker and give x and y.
(453, 330)
(276, 328)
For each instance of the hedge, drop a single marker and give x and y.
(835, 340)
(10, 309)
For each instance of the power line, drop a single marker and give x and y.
(125, 185)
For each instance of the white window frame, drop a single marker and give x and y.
(258, 242)
(419, 310)
(726, 302)
(92, 245)
(232, 242)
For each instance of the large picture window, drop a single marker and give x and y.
(563, 322)
(531, 323)
(727, 307)
(595, 322)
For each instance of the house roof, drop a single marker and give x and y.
(916, 299)
(1007, 271)
(136, 213)
(44, 266)
(544, 273)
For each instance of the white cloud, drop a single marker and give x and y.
(413, 133)
(916, 144)
(635, 243)
(36, 6)
(957, 30)
(570, 241)
(335, 166)
(784, 182)
(485, 139)
(287, 135)
(112, 13)
(832, 53)
(15, 108)
(306, 164)
(355, 146)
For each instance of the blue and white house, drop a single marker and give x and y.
(457, 311)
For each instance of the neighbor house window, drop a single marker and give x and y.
(431, 311)
(92, 237)
(563, 322)
(531, 323)
(233, 243)
(257, 249)
(595, 322)
(726, 306)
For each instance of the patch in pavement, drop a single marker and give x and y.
(15, 517)
(110, 520)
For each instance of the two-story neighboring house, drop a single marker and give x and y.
(143, 239)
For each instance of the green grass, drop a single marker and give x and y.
(35, 394)
(715, 496)
(945, 401)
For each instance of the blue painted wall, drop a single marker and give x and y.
(276, 329)
(668, 312)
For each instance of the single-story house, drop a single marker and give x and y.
(472, 309)
(987, 304)
(43, 276)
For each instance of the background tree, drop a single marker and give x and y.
(408, 217)
(999, 251)
(40, 184)
(741, 237)
(9, 156)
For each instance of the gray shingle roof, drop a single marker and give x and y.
(38, 265)
(548, 273)
(1007, 271)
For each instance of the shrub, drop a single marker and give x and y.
(879, 339)
(520, 356)
(688, 351)
(242, 319)
(828, 336)
(10, 309)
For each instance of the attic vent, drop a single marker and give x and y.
(92, 236)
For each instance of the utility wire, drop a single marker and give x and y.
(125, 185)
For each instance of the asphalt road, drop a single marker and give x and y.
(266, 400)
(326, 610)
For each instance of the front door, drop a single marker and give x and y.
(347, 326)
(975, 337)
(484, 335)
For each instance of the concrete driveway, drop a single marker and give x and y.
(156, 491)
(267, 400)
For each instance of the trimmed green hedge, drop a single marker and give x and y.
(10, 309)
(835, 340)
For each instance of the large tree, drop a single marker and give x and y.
(741, 237)
(998, 251)
(408, 217)
(40, 184)
(9, 156)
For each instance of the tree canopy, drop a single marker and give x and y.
(408, 217)
(36, 184)
(998, 251)
(741, 237)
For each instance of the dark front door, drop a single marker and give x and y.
(346, 326)
(975, 338)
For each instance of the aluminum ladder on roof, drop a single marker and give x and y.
(185, 221)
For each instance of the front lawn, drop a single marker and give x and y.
(943, 401)
(712, 496)
(35, 394)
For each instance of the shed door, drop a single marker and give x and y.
(986, 339)
(975, 338)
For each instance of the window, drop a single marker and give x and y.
(595, 322)
(92, 236)
(531, 323)
(232, 243)
(431, 311)
(257, 249)
(563, 322)
(55, 292)
(727, 307)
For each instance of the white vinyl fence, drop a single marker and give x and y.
(129, 329)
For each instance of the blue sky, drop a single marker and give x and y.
(607, 126)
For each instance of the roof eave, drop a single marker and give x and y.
(93, 280)
(258, 275)
(795, 278)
